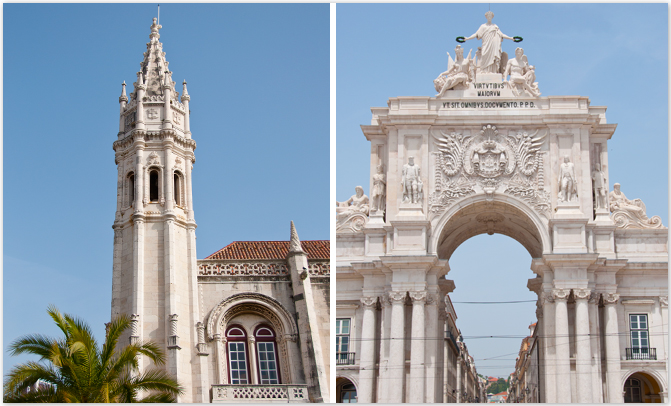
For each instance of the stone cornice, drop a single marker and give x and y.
(146, 136)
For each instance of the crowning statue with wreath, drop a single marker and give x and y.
(491, 60)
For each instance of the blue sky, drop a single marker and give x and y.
(258, 77)
(616, 54)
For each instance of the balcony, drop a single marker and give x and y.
(260, 394)
(345, 358)
(641, 353)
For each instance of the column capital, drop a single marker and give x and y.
(610, 298)
(418, 297)
(561, 294)
(594, 298)
(581, 294)
(396, 297)
(546, 297)
(252, 340)
(368, 301)
(664, 301)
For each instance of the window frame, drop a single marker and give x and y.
(266, 339)
(636, 349)
(237, 339)
(339, 335)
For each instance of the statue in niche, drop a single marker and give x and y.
(491, 36)
(600, 187)
(459, 73)
(522, 75)
(411, 182)
(630, 213)
(568, 190)
(358, 203)
(379, 192)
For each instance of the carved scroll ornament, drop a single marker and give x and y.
(630, 213)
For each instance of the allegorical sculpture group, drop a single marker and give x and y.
(488, 59)
(486, 158)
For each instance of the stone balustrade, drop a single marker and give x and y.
(292, 393)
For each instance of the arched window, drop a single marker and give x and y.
(633, 391)
(266, 351)
(130, 192)
(238, 366)
(178, 190)
(153, 186)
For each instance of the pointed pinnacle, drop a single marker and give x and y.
(295, 243)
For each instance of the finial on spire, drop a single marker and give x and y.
(123, 97)
(140, 82)
(154, 30)
(295, 243)
(184, 92)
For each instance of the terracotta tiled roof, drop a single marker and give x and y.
(319, 249)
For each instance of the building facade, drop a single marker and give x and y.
(250, 322)
(489, 154)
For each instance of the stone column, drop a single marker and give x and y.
(168, 182)
(252, 361)
(367, 358)
(397, 347)
(549, 348)
(417, 348)
(459, 378)
(595, 347)
(612, 349)
(188, 162)
(446, 366)
(220, 351)
(583, 362)
(432, 350)
(383, 381)
(563, 369)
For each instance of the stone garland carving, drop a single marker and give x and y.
(630, 213)
(561, 294)
(352, 214)
(418, 297)
(488, 160)
(459, 74)
(610, 298)
(244, 269)
(581, 294)
(396, 296)
(368, 301)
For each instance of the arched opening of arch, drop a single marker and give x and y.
(345, 391)
(641, 387)
(490, 246)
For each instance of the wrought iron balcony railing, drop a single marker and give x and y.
(345, 358)
(260, 393)
(641, 353)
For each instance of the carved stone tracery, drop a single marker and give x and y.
(489, 161)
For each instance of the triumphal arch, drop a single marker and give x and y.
(489, 153)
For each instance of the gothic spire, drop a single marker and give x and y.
(295, 243)
(154, 65)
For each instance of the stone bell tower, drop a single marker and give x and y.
(154, 275)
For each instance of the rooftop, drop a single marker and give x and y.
(259, 250)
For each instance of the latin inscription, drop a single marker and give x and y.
(489, 105)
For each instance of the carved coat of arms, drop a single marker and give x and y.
(488, 160)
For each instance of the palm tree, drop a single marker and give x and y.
(76, 369)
